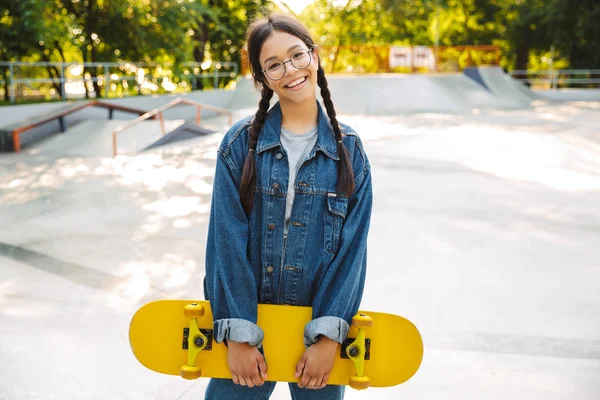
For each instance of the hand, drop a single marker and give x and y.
(316, 363)
(247, 365)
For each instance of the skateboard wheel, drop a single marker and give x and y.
(193, 310)
(190, 372)
(362, 321)
(359, 382)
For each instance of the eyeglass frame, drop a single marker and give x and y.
(309, 51)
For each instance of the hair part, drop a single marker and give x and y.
(258, 32)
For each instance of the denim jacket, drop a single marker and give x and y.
(322, 261)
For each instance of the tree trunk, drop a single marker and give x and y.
(6, 87)
(53, 72)
(91, 20)
(94, 74)
(522, 51)
(85, 72)
(468, 34)
(341, 37)
(201, 38)
(5, 79)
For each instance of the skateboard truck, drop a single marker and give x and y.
(358, 351)
(201, 339)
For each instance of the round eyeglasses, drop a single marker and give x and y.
(275, 70)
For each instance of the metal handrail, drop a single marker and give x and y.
(569, 71)
(106, 75)
(554, 77)
(16, 132)
(159, 111)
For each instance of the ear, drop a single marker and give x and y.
(316, 55)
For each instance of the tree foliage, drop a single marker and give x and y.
(524, 29)
(158, 31)
(179, 31)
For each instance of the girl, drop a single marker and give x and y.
(289, 219)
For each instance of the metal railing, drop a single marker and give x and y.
(553, 79)
(159, 111)
(16, 131)
(107, 76)
(385, 58)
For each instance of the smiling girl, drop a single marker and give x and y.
(289, 219)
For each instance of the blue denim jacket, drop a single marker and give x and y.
(321, 263)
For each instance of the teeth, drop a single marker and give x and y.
(296, 82)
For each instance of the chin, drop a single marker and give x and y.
(300, 98)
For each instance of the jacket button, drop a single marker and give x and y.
(279, 156)
(269, 269)
(275, 186)
(272, 226)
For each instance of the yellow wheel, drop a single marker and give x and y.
(362, 321)
(190, 372)
(359, 382)
(193, 310)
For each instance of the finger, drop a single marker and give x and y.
(262, 367)
(318, 382)
(300, 366)
(324, 381)
(256, 381)
(249, 382)
(235, 378)
(311, 383)
(304, 381)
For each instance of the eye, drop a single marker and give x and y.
(273, 66)
(298, 55)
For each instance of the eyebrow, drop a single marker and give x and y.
(290, 49)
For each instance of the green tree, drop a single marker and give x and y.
(27, 28)
(574, 28)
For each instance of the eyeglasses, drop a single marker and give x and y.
(275, 70)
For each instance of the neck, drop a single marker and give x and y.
(299, 117)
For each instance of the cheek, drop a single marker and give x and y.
(314, 69)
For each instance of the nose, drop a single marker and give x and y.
(289, 68)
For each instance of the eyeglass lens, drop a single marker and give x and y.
(276, 69)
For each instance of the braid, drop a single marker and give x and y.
(248, 182)
(345, 172)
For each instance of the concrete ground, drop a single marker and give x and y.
(485, 233)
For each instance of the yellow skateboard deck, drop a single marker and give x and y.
(175, 337)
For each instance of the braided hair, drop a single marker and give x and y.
(258, 32)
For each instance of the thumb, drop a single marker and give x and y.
(300, 365)
(262, 367)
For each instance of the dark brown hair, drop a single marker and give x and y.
(258, 33)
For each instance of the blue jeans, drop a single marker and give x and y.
(219, 389)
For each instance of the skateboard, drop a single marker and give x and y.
(175, 337)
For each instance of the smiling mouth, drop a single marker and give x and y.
(296, 82)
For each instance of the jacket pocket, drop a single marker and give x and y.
(334, 220)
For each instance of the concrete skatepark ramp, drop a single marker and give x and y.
(484, 232)
(497, 82)
(389, 94)
(93, 138)
(183, 132)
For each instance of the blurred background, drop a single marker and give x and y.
(67, 49)
(481, 120)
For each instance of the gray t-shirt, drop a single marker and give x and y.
(297, 148)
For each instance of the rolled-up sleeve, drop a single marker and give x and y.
(340, 292)
(230, 284)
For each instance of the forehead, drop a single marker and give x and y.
(278, 44)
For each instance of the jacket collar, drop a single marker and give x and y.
(269, 135)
